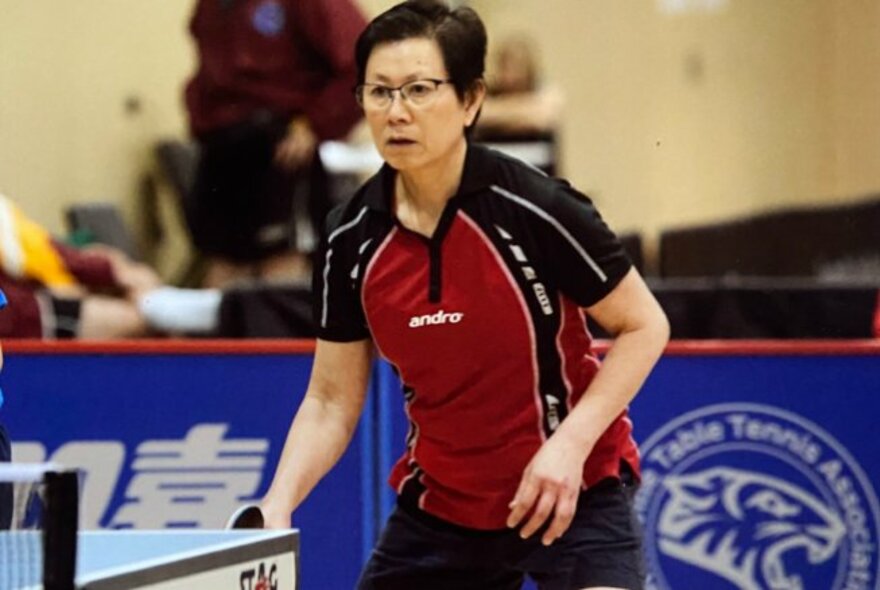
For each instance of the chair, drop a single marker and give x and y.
(102, 223)
(178, 161)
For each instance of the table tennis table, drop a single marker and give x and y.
(192, 559)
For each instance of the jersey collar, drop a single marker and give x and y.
(478, 174)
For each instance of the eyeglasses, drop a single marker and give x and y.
(417, 93)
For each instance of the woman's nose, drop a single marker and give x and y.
(398, 108)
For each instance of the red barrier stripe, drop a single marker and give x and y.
(302, 346)
(164, 346)
(774, 348)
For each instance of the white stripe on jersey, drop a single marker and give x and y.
(339, 230)
(556, 225)
(536, 393)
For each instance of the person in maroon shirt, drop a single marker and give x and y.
(103, 304)
(471, 273)
(274, 79)
(57, 291)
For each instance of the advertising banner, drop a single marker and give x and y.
(761, 471)
(760, 465)
(180, 439)
(760, 462)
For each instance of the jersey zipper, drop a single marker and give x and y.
(435, 276)
(435, 252)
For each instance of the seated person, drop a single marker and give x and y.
(518, 108)
(56, 291)
(96, 292)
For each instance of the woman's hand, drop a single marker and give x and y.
(552, 480)
(329, 412)
(275, 515)
(550, 486)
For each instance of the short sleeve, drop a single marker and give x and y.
(585, 258)
(338, 312)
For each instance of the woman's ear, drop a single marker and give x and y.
(473, 101)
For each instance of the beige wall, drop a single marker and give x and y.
(670, 119)
(679, 119)
(856, 97)
(66, 72)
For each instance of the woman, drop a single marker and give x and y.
(470, 272)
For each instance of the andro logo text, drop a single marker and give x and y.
(434, 319)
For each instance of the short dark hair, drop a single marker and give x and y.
(459, 32)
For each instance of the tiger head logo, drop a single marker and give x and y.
(740, 525)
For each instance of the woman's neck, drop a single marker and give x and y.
(428, 189)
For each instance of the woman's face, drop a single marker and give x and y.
(408, 136)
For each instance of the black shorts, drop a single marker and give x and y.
(243, 207)
(59, 316)
(602, 547)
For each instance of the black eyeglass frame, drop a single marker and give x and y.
(359, 89)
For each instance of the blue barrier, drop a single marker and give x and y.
(761, 470)
(760, 461)
(177, 439)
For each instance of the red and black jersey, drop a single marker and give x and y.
(483, 322)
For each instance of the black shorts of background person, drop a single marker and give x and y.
(602, 547)
(244, 207)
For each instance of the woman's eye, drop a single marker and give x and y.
(419, 89)
(379, 92)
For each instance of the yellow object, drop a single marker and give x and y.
(27, 251)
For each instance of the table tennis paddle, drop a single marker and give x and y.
(247, 516)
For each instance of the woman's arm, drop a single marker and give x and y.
(551, 482)
(322, 427)
(631, 314)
